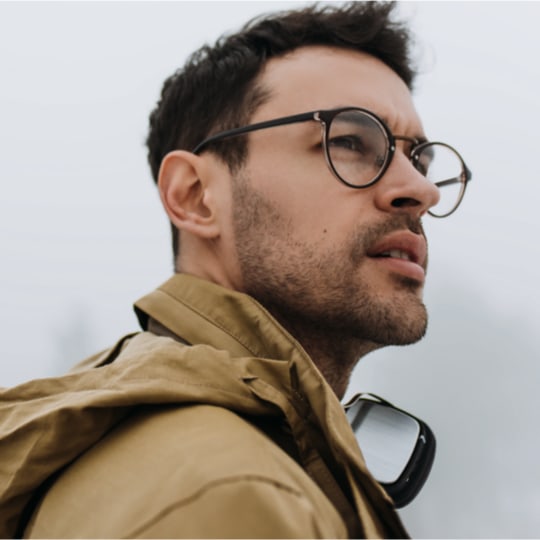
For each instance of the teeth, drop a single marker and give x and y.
(396, 254)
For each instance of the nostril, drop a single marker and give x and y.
(405, 202)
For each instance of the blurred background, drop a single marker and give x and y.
(82, 234)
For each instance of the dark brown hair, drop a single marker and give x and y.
(217, 87)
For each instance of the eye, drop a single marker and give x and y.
(354, 147)
(352, 142)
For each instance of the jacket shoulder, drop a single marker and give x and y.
(190, 471)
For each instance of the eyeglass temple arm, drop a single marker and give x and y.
(466, 174)
(253, 127)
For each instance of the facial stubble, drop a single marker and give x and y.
(322, 292)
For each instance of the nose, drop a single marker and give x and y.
(403, 189)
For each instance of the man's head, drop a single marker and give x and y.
(218, 87)
(316, 216)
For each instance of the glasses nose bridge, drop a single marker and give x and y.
(410, 152)
(413, 141)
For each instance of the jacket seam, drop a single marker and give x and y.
(248, 478)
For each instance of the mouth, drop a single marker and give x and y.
(402, 252)
(398, 254)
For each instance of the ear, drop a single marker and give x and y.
(185, 194)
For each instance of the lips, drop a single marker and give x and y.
(404, 252)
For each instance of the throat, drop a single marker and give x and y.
(334, 352)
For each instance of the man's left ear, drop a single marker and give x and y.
(186, 195)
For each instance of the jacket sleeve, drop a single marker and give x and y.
(241, 507)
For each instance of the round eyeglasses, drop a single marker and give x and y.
(359, 147)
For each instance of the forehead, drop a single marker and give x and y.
(318, 77)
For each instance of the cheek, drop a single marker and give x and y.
(316, 206)
(308, 196)
(285, 169)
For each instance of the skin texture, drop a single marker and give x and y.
(287, 232)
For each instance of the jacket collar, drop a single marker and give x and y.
(226, 319)
(202, 313)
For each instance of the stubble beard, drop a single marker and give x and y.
(321, 293)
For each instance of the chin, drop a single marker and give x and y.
(404, 324)
(410, 331)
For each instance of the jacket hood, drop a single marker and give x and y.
(45, 424)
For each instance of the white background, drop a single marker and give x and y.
(82, 234)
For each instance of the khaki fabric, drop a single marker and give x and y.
(228, 431)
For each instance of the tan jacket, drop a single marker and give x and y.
(227, 430)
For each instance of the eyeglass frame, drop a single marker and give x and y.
(325, 118)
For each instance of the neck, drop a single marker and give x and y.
(334, 353)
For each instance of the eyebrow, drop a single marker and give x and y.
(421, 138)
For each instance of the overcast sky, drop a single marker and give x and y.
(82, 234)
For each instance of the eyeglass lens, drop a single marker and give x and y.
(443, 166)
(357, 147)
(358, 150)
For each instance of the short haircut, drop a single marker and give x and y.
(217, 87)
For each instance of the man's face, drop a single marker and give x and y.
(311, 249)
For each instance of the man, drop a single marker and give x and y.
(295, 171)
